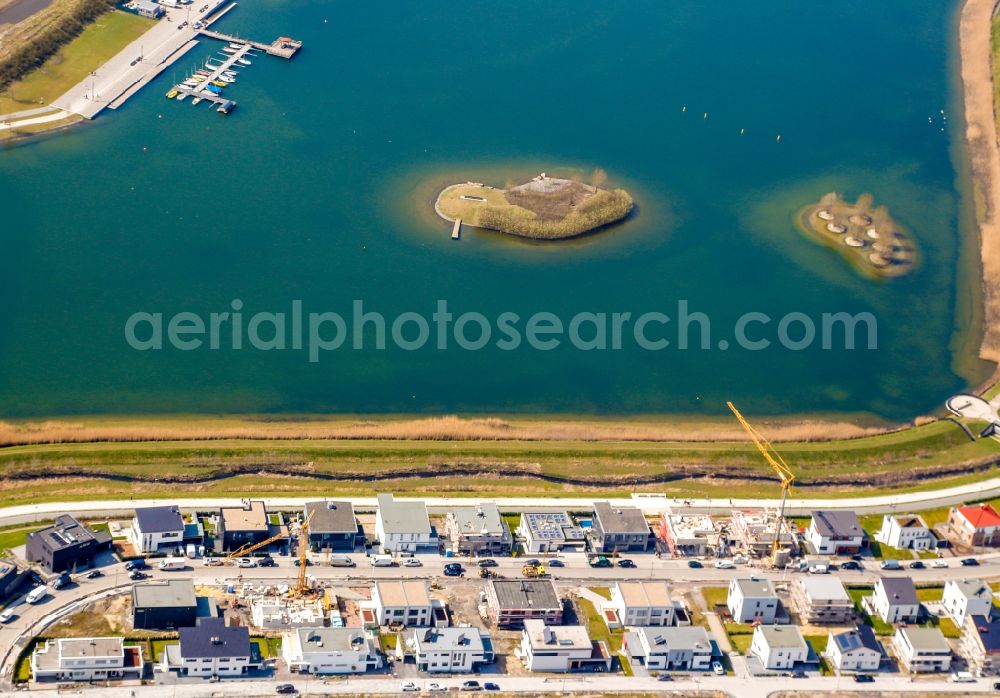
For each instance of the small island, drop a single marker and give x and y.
(546, 208)
(864, 234)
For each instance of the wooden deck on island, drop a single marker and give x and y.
(456, 230)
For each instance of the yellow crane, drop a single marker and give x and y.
(779, 466)
(300, 585)
(248, 548)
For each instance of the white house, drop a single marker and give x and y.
(452, 650)
(835, 532)
(153, 527)
(550, 532)
(967, 597)
(895, 600)
(778, 646)
(643, 604)
(922, 650)
(906, 531)
(560, 648)
(86, 659)
(822, 599)
(211, 648)
(751, 600)
(330, 651)
(669, 649)
(404, 526)
(404, 602)
(854, 650)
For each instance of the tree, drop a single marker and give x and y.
(597, 178)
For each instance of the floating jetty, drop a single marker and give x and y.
(456, 230)
(283, 47)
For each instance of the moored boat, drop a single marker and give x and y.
(172, 94)
(243, 61)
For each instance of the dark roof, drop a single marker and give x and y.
(526, 594)
(899, 590)
(862, 636)
(212, 638)
(66, 532)
(331, 517)
(837, 524)
(989, 633)
(159, 519)
(620, 519)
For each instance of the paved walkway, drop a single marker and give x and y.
(25, 113)
(54, 116)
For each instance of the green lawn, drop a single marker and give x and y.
(877, 624)
(741, 643)
(97, 43)
(269, 646)
(886, 552)
(15, 536)
(930, 593)
(602, 591)
(598, 630)
(714, 596)
(946, 625)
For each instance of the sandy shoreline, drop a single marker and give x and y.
(984, 154)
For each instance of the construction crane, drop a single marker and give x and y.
(779, 466)
(301, 587)
(247, 548)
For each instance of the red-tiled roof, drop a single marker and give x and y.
(980, 515)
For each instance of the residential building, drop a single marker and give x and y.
(778, 646)
(895, 600)
(756, 529)
(561, 648)
(333, 526)
(906, 532)
(670, 649)
(967, 597)
(164, 604)
(65, 545)
(278, 612)
(550, 532)
(153, 527)
(210, 648)
(241, 526)
(404, 526)
(822, 599)
(148, 8)
(976, 525)
(980, 644)
(854, 650)
(452, 650)
(644, 604)
(689, 534)
(752, 600)
(835, 533)
(403, 602)
(330, 651)
(86, 659)
(513, 601)
(478, 530)
(13, 576)
(922, 650)
(618, 529)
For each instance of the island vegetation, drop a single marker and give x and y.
(545, 208)
(862, 233)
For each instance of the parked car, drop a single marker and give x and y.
(211, 561)
(724, 564)
(245, 562)
(970, 562)
(298, 562)
(63, 580)
(963, 677)
(864, 678)
(7, 615)
(341, 561)
(136, 565)
(850, 565)
(471, 686)
(534, 562)
(664, 677)
(266, 561)
(94, 574)
(857, 557)
(491, 686)
(136, 575)
(938, 564)
(694, 564)
(556, 563)
(626, 563)
(284, 689)
(382, 561)
(409, 687)
(718, 668)
(453, 569)
(434, 686)
(487, 562)
(412, 562)
(599, 561)
(891, 565)
(798, 674)
(917, 565)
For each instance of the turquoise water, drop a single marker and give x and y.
(318, 187)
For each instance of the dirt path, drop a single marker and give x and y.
(981, 135)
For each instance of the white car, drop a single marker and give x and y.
(718, 668)
(412, 562)
(7, 615)
(246, 562)
(724, 564)
(435, 686)
(939, 563)
(409, 687)
(211, 561)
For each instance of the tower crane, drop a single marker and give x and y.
(780, 467)
(301, 587)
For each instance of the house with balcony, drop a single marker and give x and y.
(156, 527)
(643, 603)
(451, 650)
(835, 533)
(86, 659)
(894, 600)
(550, 532)
(619, 529)
(752, 600)
(513, 601)
(967, 597)
(906, 532)
(210, 648)
(854, 650)
(980, 644)
(822, 599)
(404, 526)
(322, 650)
(922, 650)
(561, 648)
(478, 530)
(333, 527)
(670, 648)
(779, 647)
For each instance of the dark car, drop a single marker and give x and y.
(136, 565)
(694, 564)
(798, 674)
(917, 565)
(137, 575)
(297, 562)
(63, 581)
(970, 562)
(94, 574)
(266, 561)
(556, 563)
(664, 677)
(490, 686)
(534, 562)
(488, 562)
(996, 686)
(453, 570)
(626, 563)
(600, 562)
(285, 688)
(850, 565)
(471, 686)
(863, 678)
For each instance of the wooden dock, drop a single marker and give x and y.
(283, 47)
(202, 89)
(456, 230)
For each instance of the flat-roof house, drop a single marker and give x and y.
(906, 532)
(333, 526)
(752, 600)
(822, 599)
(561, 648)
(643, 603)
(148, 8)
(778, 646)
(513, 601)
(210, 648)
(164, 604)
(619, 529)
(86, 659)
(689, 534)
(980, 644)
(330, 651)
(13, 576)
(669, 649)
(550, 532)
(153, 527)
(975, 525)
(452, 650)
(854, 650)
(242, 526)
(65, 545)
(967, 597)
(922, 650)
(835, 533)
(403, 526)
(895, 600)
(478, 530)
(403, 602)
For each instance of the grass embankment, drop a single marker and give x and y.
(54, 51)
(930, 456)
